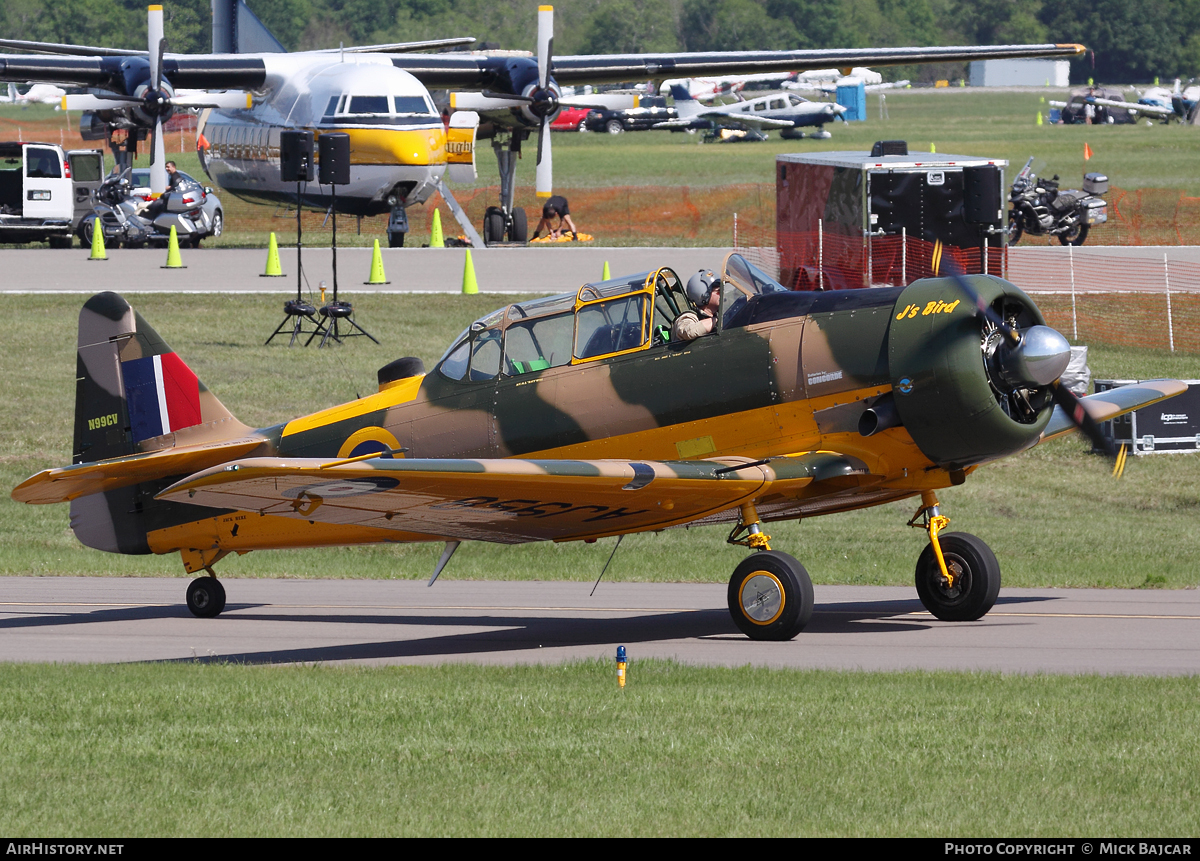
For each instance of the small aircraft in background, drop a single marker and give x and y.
(379, 95)
(784, 111)
(828, 80)
(38, 94)
(582, 416)
(723, 85)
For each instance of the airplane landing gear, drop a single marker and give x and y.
(958, 577)
(397, 226)
(770, 594)
(206, 596)
(506, 222)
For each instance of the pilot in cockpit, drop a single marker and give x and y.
(704, 293)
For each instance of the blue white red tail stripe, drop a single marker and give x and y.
(162, 395)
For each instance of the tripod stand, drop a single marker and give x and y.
(336, 313)
(296, 311)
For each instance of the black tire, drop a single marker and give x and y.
(770, 596)
(520, 226)
(1075, 236)
(205, 597)
(1015, 231)
(85, 233)
(396, 240)
(493, 226)
(976, 584)
(614, 127)
(218, 225)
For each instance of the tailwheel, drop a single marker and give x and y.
(770, 596)
(206, 597)
(970, 584)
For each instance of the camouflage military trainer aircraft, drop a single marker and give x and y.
(576, 417)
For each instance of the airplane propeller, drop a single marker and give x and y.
(1034, 359)
(155, 101)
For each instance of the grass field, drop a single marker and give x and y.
(539, 751)
(999, 124)
(1053, 515)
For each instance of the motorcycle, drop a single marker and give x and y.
(126, 221)
(1041, 208)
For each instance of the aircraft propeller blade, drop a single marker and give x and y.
(545, 172)
(157, 45)
(1034, 371)
(96, 102)
(545, 49)
(158, 159)
(231, 100)
(486, 101)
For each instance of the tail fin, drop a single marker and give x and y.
(237, 30)
(134, 395)
(685, 105)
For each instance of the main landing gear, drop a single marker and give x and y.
(771, 596)
(958, 577)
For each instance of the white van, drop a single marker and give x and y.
(36, 194)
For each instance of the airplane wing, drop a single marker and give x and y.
(508, 501)
(725, 119)
(1103, 406)
(1153, 110)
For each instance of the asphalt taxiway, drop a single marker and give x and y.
(109, 620)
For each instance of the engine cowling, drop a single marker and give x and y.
(962, 394)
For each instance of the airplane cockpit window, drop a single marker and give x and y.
(476, 352)
(537, 344)
(331, 108)
(412, 105)
(777, 104)
(796, 100)
(368, 105)
(743, 281)
(610, 327)
(485, 355)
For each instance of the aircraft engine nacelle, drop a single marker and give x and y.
(460, 146)
(962, 398)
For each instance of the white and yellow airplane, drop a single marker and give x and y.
(379, 94)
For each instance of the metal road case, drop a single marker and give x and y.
(1169, 426)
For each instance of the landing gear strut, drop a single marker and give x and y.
(506, 222)
(958, 577)
(397, 224)
(770, 594)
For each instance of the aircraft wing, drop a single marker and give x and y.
(1153, 110)
(508, 501)
(722, 118)
(198, 72)
(1103, 406)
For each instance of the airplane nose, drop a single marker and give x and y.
(398, 146)
(1040, 358)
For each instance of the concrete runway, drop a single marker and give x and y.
(109, 620)
(543, 270)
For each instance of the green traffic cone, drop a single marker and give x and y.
(436, 240)
(377, 276)
(98, 252)
(274, 270)
(174, 260)
(605, 276)
(470, 285)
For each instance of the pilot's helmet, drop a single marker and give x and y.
(700, 287)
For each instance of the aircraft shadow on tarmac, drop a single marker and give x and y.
(508, 633)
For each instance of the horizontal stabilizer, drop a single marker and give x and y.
(81, 479)
(1104, 406)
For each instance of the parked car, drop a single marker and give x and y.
(570, 120)
(36, 194)
(212, 204)
(650, 110)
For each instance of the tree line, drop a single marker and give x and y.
(1130, 40)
